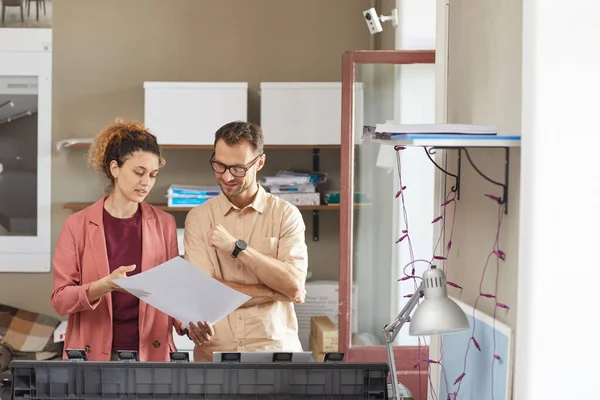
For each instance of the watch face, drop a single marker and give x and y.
(241, 244)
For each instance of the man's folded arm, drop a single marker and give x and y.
(260, 294)
(285, 274)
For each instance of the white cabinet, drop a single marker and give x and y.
(189, 113)
(25, 150)
(306, 113)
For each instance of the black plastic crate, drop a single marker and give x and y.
(5, 386)
(85, 380)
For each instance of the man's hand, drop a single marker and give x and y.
(201, 333)
(221, 240)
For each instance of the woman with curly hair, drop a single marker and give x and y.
(120, 235)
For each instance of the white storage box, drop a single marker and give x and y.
(301, 199)
(189, 113)
(306, 113)
(180, 241)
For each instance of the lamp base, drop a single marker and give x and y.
(403, 392)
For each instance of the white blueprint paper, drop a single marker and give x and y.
(179, 289)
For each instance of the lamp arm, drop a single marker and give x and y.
(392, 329)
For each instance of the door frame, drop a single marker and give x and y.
(414, 378)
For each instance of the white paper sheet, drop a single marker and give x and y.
(179, 289)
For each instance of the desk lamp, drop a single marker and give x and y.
(436, 315)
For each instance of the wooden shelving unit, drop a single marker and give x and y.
(314, 209)
(84, 144)
(164, 207)
(273, 114)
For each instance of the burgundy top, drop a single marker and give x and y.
(124, 247)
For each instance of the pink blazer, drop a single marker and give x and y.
(80, 258)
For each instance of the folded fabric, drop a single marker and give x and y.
(26, 331)
(26, 335)
(5, 357)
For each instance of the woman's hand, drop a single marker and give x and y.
(103, 286)
(118, 273)
(201, 333)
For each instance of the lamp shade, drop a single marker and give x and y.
(437, 314)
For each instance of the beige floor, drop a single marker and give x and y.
(12, 18)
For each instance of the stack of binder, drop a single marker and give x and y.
(190, 196)
(298, 188)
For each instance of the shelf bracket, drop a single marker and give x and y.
(429, 151)
(504, 199)
(315, 225)
(316, 166)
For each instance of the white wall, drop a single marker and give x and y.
(415, 87)
(559, 274)
(484, 87)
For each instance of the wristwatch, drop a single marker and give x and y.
(240, 245)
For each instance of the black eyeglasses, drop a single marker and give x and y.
(237, 171)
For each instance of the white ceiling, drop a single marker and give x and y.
(22, 103)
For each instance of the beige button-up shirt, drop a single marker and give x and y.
(271, 226)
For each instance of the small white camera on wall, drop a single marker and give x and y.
(374, 21)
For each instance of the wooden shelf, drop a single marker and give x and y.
(462, 143)
(84, 144)
(452, 141)
(164, 207)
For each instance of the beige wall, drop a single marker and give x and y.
(484, 87)
(104, 50)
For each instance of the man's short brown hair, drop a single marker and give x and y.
(240, 131)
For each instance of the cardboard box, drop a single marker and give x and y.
(324, 332)
(60, 332)
(322, 298)
(318, 353)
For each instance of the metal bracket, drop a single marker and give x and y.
(315, 225)
(429, 151)
(316, 166)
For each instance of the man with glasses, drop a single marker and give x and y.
(253, 242)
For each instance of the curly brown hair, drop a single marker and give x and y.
(118, 142)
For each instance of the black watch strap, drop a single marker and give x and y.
(240, 245)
